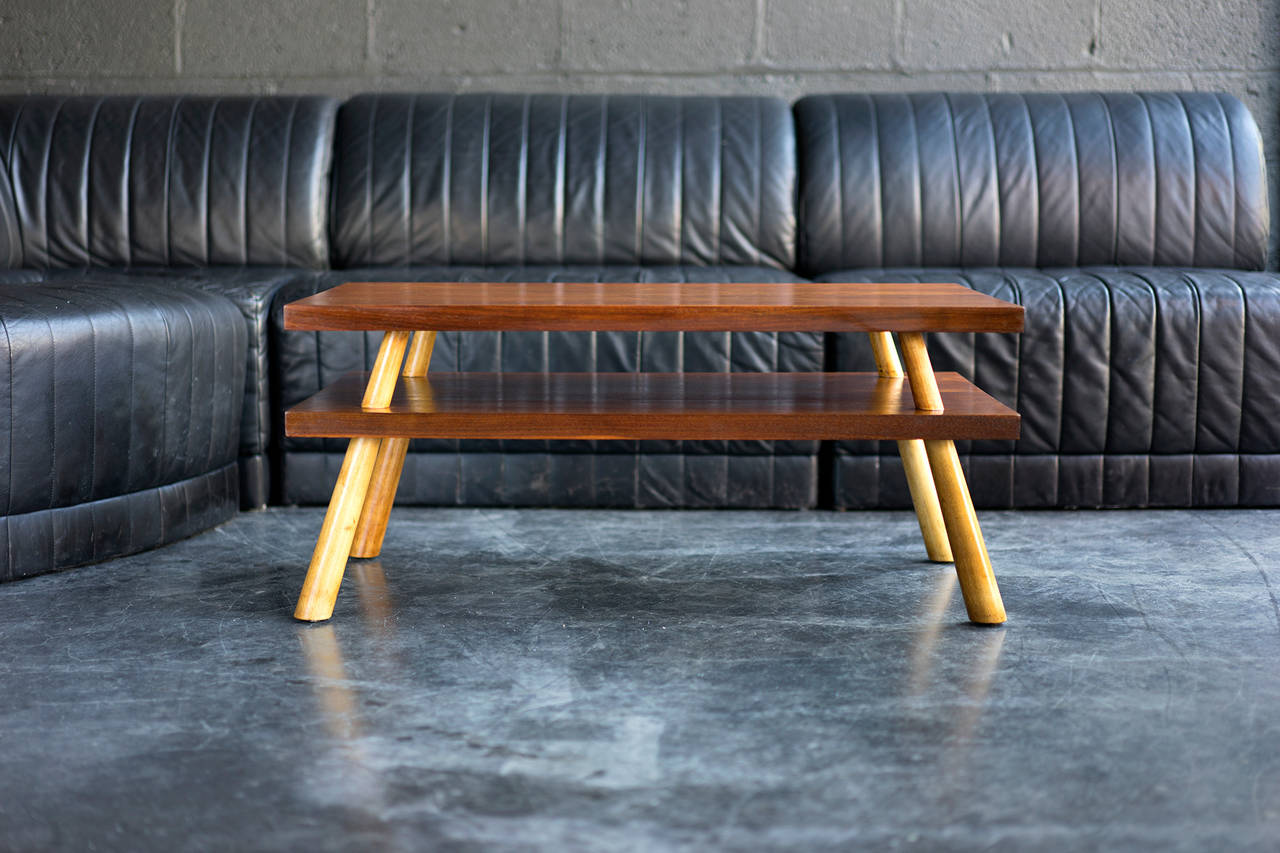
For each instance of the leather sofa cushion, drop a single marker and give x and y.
(114, 388)
(1052, 480)
(252, 290)
(1037, 180)
(171, 181)
(433, 179)
(307, 361)
(50, 540)
(1135, 360)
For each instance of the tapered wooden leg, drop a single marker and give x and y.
(419, 357)
(372, 527)
(973, 565)
(924, 385)
(924, 496)
(333, 546)
(324, 576)
(915, 462)
(386, 370)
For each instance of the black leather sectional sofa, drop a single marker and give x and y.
(147, 246)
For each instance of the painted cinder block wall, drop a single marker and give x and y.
(779, 47)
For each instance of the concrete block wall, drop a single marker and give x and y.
(779, 47)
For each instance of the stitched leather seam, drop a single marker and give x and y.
(1244, 355)
(602, 176)
(917, 175)
(561, 180)
(874, 136)
(8, 349)
(641, 155)
(716, 217)
(126, 182)
(368, 178)
(995, 164)
(50, 132)
(87, 182)
(1034, 161)
(1115, 181)
(757, 212)
(287, 147)
(205, 166)
(958, 199)
(406, 188)
(168, 168)
(677, 178)
(11, 167)
(1195, 382)
(446, 181)
(522, 185)
(484, 180)
(1235, 191)
(1079, 176)
(1195, 180)
(1155, 182)
(245, 208)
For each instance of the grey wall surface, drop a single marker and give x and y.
(780, 47)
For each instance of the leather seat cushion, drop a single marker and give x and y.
(1136, 363)
(115, 389)
(252, 290)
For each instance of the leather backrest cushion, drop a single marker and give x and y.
(533, 179)
(165, 181)
(1030, 180)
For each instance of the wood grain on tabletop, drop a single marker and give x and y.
(691, 306)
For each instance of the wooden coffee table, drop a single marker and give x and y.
(380, 411)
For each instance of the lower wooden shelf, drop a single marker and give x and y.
(643, 406)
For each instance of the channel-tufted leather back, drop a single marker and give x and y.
(164, 181)
(552, 179)
(1030, 180)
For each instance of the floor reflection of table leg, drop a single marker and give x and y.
(329, 679)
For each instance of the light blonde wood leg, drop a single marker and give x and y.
(973, 564)
(333, 546)
(329, 560)
(386, 370)
(924, 385)
(372, 527)
(419, 357)
(924, 496)
(915, 463)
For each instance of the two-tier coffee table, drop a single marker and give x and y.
(380, 411)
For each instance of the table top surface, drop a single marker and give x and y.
(649, 306)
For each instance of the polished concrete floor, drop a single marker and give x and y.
(653, 681)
